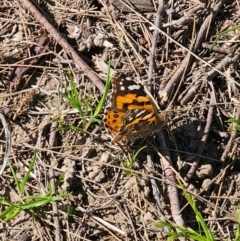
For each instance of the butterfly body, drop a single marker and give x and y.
(131, 113)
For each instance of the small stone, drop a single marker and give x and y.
(206, 185)
(100, 177)
(92, 175)
(104, 157)
(204, 170)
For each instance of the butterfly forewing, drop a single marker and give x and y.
(128, 95)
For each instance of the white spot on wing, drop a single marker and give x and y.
(134, 87)
(122, 88)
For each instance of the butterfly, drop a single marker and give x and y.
(131, 114)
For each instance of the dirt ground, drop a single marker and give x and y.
(196, 87)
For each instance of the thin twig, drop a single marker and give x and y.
(65, 45)
(154, 42)
(222, 65)
(156, 192)
(221, 50)
(155, 189)
(52, 143)
(172, 189)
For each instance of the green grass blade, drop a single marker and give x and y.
(187, 232)
(26, 177)
(199, 217)
(27, 202)
(105, 93)
(60, 179)
(184, 232)
(129, 163)
(8, 211)
(12, 215)
(11, 212)
(69, 209)
(49, 193)
(40, 201)
(237, 121)
(5, 202)
(223, 33)
(135, 154)
(35, 198)
(14, 177)
(72, 96)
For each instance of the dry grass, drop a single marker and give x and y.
(199, 99)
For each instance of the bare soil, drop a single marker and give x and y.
(106, 202)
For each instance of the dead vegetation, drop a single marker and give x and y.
(199, 88)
